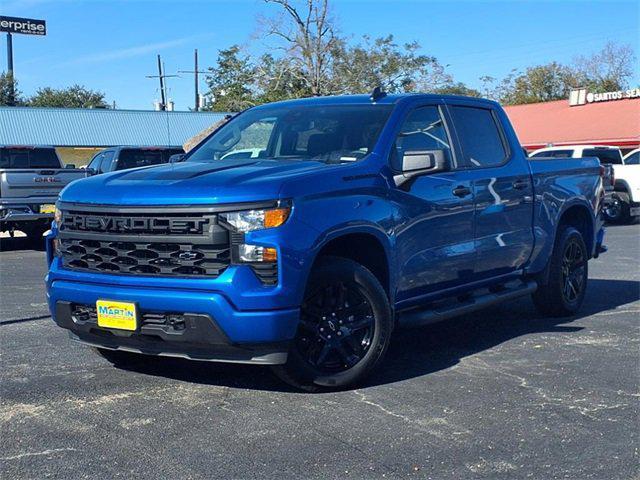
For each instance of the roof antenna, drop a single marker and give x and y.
(377, 94)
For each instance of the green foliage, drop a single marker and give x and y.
(9, 93)
(231, 81)
(458, 88)
(379, 62)
(76, 96)
(607, 70)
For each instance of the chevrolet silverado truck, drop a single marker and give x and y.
(30, 179)
(622, 180)
(360, 214)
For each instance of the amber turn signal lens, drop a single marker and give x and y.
(275, 217)
(269, 255)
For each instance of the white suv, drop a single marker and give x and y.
(623, 202)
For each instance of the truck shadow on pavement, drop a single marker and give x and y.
(420, 351)
(16, 244)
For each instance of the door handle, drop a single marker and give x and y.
(520, 184)
(461, 191)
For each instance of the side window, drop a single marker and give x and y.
(95, 162)
(422, 130)
(479, 135)
(105, 165)
(633, 159)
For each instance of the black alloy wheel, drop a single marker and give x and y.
(573, 270)
(336, 327)
(562, 289)
(344, 330)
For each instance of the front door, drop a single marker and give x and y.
(434, 237)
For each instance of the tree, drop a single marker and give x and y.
(230, 81)
(306, 34)
(277, 79)
(380, 62)
(458, 88)
(608, 70)
(542, 83)
(76, 96)
(9, 93)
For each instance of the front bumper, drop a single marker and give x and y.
(191, 336)
(214, 329)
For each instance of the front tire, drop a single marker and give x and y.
(344, 331)
(563, 293)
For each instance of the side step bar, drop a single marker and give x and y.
(427, 316)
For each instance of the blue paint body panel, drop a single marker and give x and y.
(433, 241)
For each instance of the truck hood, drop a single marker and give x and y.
(190, 183)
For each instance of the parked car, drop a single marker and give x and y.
(123, 158)
(30, 179)
(622, 203)
(361, 214)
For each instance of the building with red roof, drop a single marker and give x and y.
(593, 119)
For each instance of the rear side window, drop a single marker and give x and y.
(28, 158)
(480, 137)
(605, 155)
(554, 154)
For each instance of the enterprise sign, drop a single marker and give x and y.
(580, 96)
(25, 26)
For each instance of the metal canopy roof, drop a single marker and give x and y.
(75, 127)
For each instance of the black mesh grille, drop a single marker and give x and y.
(144, 244)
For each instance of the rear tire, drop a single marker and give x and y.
(344, 331)
(563, 293)
(618, 211)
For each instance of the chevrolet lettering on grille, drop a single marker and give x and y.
(133, 224)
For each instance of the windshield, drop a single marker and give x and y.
(330, 134)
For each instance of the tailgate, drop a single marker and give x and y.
(16, 183)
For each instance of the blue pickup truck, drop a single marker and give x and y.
(300, 234)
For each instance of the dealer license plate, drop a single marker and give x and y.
(118, 315)
(47, 208)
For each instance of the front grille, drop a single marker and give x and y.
(134, 242)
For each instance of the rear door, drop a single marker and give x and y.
(502, 188)
(435, 242)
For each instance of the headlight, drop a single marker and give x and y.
(250, 220)
(57, 216)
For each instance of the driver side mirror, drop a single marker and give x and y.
(176, 158)
(421, 162)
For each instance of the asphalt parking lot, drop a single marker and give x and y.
(498, 394)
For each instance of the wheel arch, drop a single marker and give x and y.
(579, 216)
(367, 246)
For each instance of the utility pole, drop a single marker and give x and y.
(162, 76)
(12, 93)
(195, 72)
